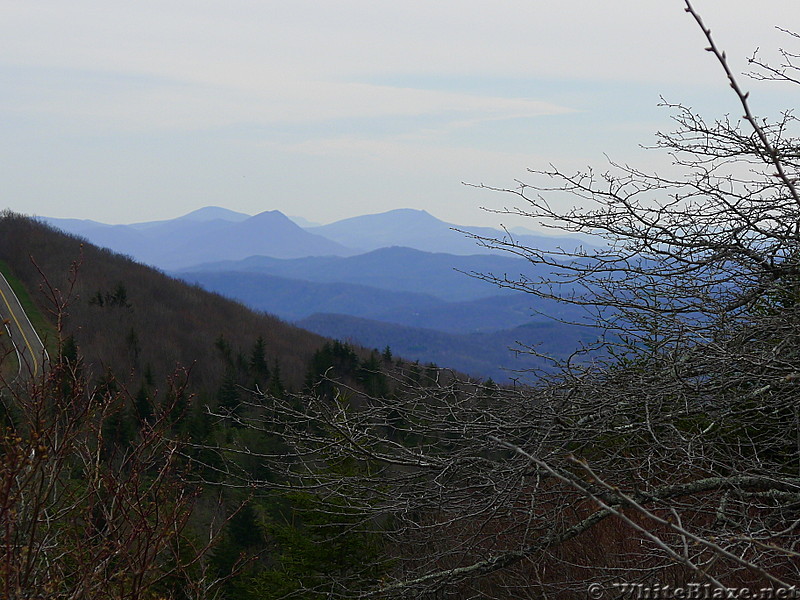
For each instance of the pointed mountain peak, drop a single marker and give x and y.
(271, 216)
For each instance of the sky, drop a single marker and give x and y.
(124, 111)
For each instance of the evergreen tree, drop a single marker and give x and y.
(225, 349)
(135, 349)
(143, 407)
(276, 387)
(258, 362)
(228, 393)
(372, 377)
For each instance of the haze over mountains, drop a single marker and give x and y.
(210, 234)
(213, 234)
(399, 279)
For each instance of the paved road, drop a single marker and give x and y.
(29, 347)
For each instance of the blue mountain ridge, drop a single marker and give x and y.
(423, 304)
(421, 230)
(444, 276)
(203, 236)
(482, 355)
(295, 299)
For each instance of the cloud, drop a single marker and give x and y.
(99, 101)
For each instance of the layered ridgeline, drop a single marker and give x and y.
(423, 305)
(214, 234)
(203, 236)
(402, 279)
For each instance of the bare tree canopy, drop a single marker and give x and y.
(671, 457)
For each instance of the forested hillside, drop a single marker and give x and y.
(132, 319)
(130, 450)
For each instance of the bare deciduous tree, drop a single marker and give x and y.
(88, 508)
(672, 457)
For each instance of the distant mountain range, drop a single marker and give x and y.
(400, 278)
(422, 231)
(209, 234)
(446, 276)
(212, 234)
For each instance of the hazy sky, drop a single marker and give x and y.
(129, 111)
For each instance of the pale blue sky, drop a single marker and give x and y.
(127, 111)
